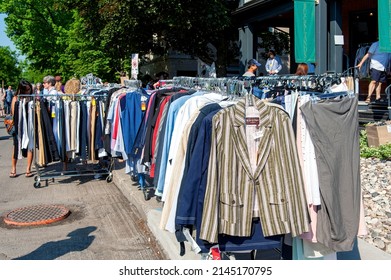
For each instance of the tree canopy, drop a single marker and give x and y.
(10, 71)
(76, 37)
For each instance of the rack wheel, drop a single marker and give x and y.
(146, 194)
(36, 179)
(37, 184)
(109, 178)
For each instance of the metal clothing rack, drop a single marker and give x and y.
(104, 170)
(229, 86)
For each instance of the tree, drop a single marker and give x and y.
(278, 41)
(51, 37)
(127, 26)
(10, 71)
(78, 36)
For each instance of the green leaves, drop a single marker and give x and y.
(10, 71)
(70, 36)
(381, 152)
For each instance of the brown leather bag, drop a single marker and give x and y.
(9, 124)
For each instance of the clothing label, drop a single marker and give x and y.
(53, 114)
(252, 121)
(258, 134)
(194, 245)
(143, 106)
(389, 128)
(215, 252)
(93, 102)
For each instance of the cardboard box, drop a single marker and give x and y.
(379, 134)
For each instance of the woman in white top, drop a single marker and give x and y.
(273, 63)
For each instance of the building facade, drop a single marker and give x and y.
(341, 27)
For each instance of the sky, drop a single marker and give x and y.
(4, 40)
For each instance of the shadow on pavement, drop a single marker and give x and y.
(79, 240)
(5, 137)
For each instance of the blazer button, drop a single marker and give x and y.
(233, 201)
(282, 200)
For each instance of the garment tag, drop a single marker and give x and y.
(389, 128)
(252, 121)
(258, 134)
(53, 114)
(194, 245)
(215, 252)
(143, 106)
(93, 102)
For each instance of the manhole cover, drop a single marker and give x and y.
(36, 215)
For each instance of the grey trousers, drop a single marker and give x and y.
(333, 126)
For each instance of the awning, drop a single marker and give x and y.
(384, 7)
(304, 27)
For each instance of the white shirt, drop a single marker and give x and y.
(52, 91)
(310, 169)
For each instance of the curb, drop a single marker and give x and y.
(151, 213)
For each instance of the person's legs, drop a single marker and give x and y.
(14, 159)
(29, 163)
(382, 79)
(371, 88)
(377, 78)
(378, 89)
(13, 165)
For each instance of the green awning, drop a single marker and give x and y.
(384, 7)
(304, 27)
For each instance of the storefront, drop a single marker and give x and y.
(333, 30)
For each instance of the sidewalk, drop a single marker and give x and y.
(151, 211)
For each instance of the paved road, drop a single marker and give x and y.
(103, 224)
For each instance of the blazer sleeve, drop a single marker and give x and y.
(298, 211)
(209, 223)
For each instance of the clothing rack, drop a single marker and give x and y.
(303, 82)
(105, 167)
(90, 80)
(132, 83)
(228, 86)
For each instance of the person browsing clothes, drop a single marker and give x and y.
(252, 67)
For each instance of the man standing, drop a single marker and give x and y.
(378, 67)
(252, 67)
(9, 94)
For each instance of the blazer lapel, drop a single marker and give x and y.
(266, 139)
(238, 132)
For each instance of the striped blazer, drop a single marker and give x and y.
(277, 180)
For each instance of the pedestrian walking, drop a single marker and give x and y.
(9, 94)
(378, 69)
(2, 101)
(24, 88)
